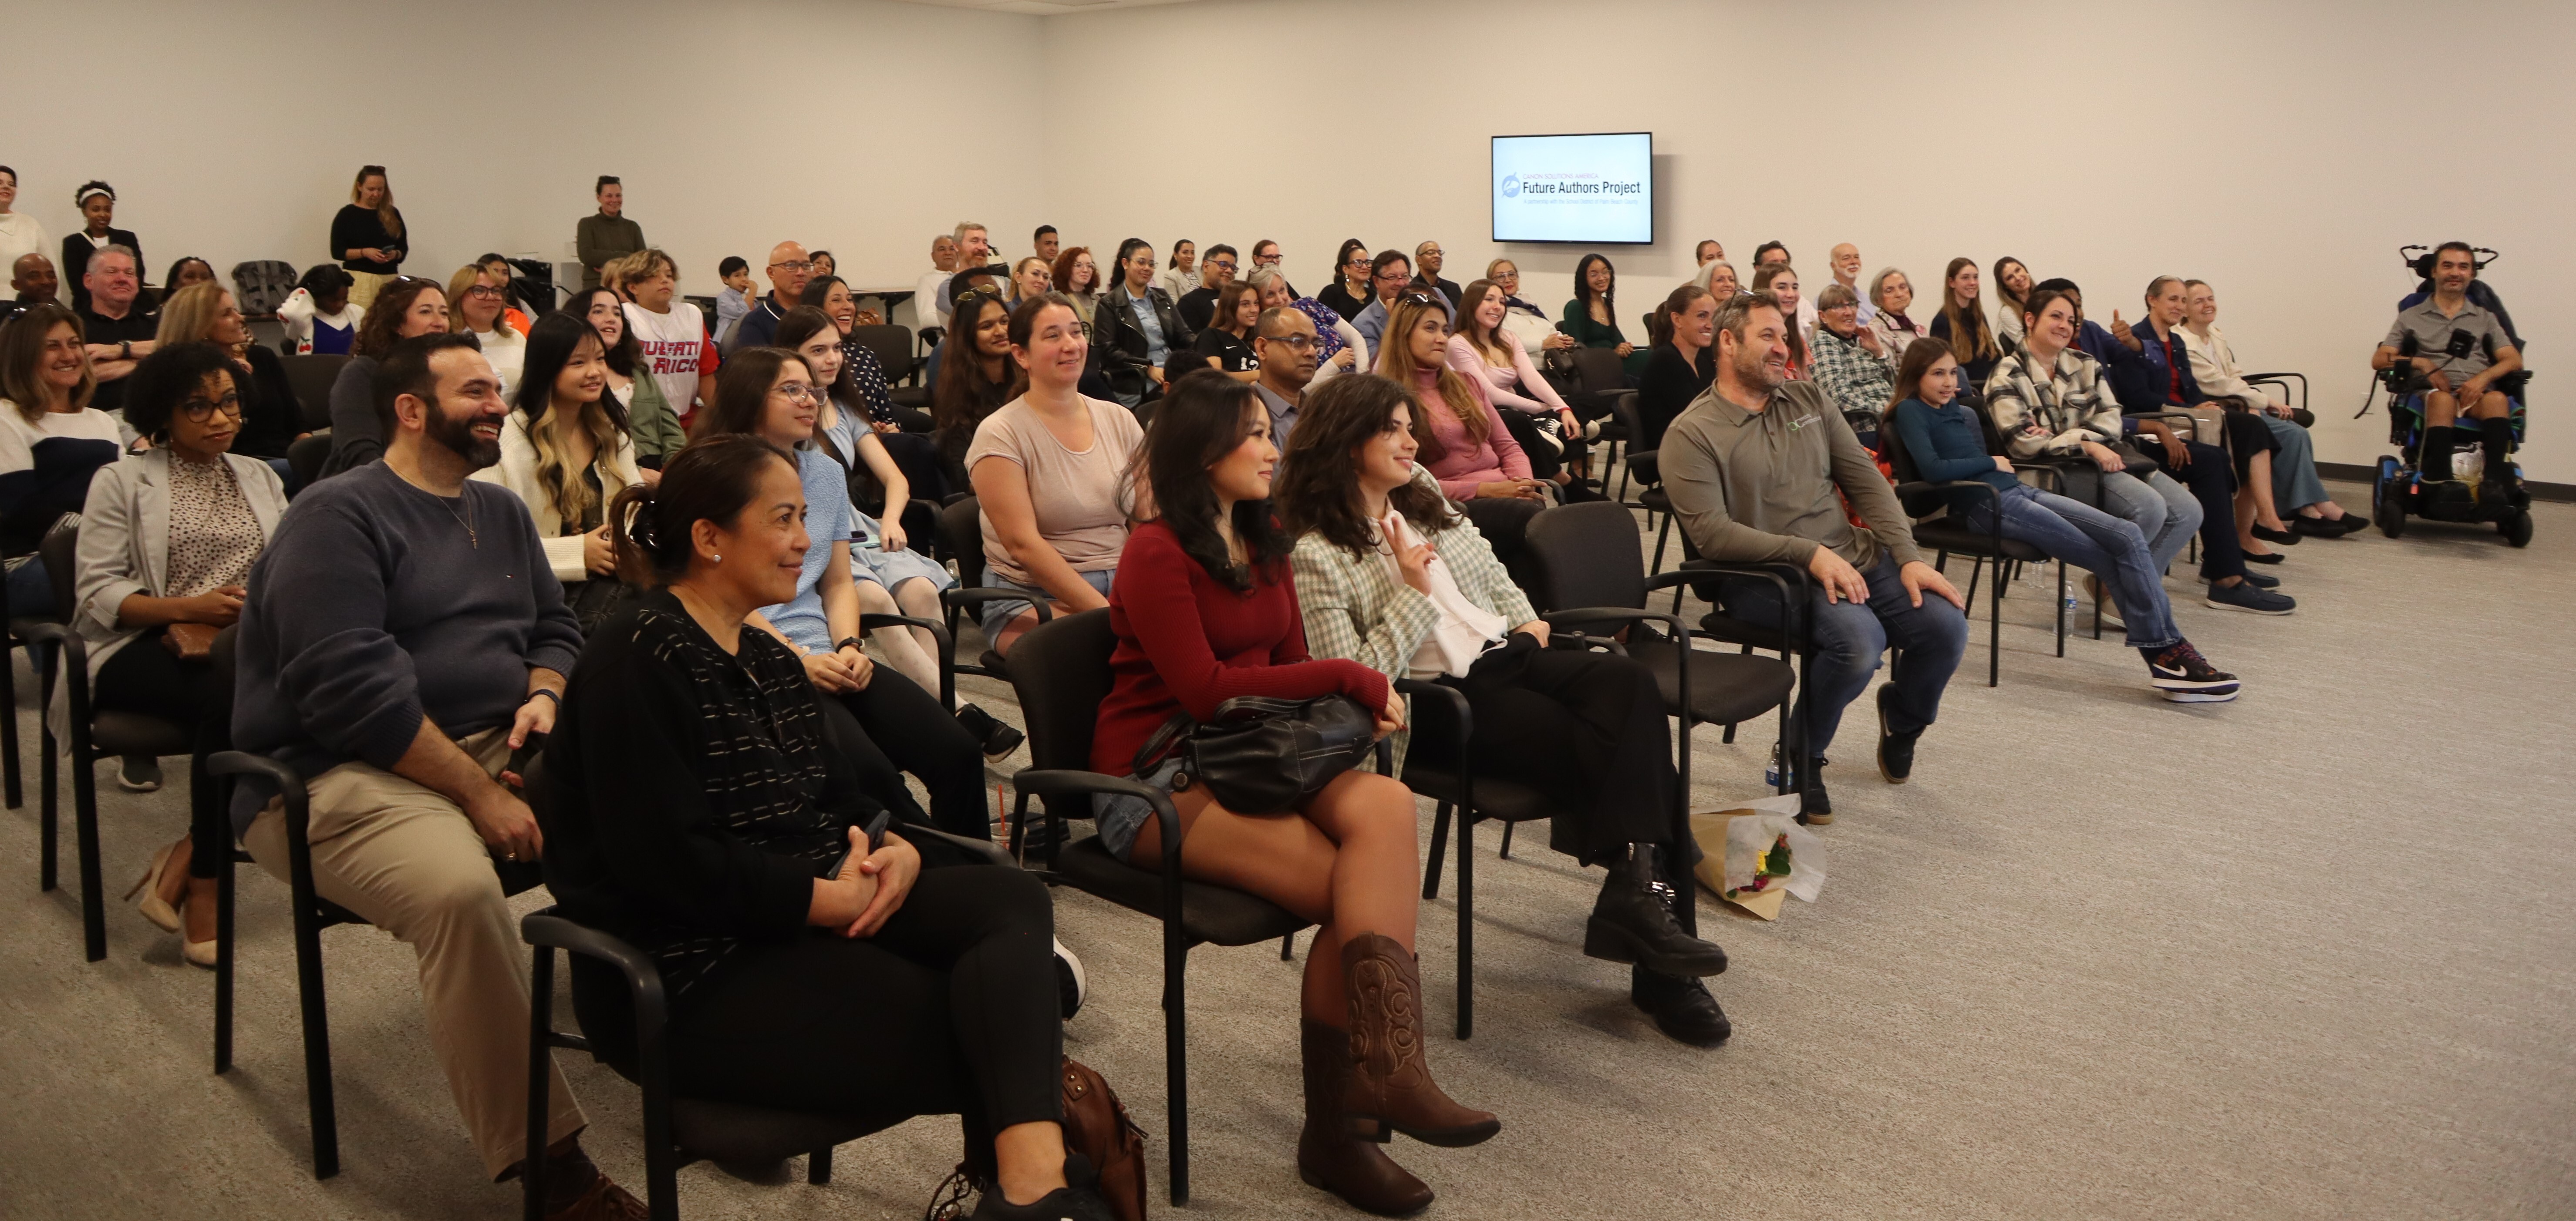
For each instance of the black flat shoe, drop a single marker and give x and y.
(991, 734)
(2286, 538)
(2268, 557)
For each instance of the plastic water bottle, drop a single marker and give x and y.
(1771, 775)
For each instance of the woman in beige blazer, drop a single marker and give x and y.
(167, 541)
(567, 452)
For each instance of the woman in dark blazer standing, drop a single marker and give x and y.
(97, 203)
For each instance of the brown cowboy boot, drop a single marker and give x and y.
(1328, 1157)
(1391, 1085)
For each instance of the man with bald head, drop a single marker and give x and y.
(1285, 341)
(789, 269)
(1846, 261)
(32, 278)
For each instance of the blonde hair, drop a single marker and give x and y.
(385, 214)
(614, 273)
(1395, 363)
(465, 278)
(555, 472)
(189, 314)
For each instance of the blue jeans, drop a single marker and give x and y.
(2096, 542)
(2165, 513)
(994, 616)
(31, 591)
(1845, 641)
(2295, 484)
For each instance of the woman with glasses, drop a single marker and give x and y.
(271, 420)
(166, 544)
(1350, 291)
(634, 391)
(474, 305)
(407, 307)
(1525, 321)
(1849, 364)
(1592, 317)
(771, 393)
(1891, 294)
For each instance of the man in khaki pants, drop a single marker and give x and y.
(403, 634)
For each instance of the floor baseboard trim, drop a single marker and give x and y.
(2357, 473)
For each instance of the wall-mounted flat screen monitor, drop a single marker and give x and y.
(1594, 189)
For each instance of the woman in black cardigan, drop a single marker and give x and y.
(97, 203)
(701, 812)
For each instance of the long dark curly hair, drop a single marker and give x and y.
(1204, 417)
(1318, 488)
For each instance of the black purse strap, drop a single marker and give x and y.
(1161, 743)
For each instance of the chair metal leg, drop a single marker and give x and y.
(85, 830)
(2061, 608)
(1661, 533)
(1439, 844)
(317, 1018)
(1995, 629)
(224, 964)
(818, 1166)
(1288, 948)
(541, 1003)
(9, 727)
(1467, 922)
(48, 871)
(1176, 1060)
(1506, 853)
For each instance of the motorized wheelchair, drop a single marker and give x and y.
(2399, 489)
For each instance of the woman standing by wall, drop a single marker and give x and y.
(368, 236)
(97, 203)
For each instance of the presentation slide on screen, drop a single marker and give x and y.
(1575, 188)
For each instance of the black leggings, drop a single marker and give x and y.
(894, 727)
(950, 1009)
(1544, 461)
(1587, 729)
(146, 677)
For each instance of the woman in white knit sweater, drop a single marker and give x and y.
(567, 452)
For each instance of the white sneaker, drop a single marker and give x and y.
(1071, 986)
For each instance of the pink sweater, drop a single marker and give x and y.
(1518, 387)
(1465, 463)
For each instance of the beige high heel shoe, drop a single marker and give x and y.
(155, 908)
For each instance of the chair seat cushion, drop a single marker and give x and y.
(1942, 534)
(1496, 798)
(1655, 500)
(1726, 688)
(133, 733)
(1215, 915)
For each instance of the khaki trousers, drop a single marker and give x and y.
(408, 860)
(363, 287)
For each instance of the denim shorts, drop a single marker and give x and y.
(1120, 816)
(994, 616)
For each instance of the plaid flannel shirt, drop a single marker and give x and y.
(1860, 383)
(2054, 417)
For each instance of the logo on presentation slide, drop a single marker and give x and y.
(1511, 185)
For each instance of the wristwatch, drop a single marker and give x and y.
(547, 692)
(125, 349)
(847, 642)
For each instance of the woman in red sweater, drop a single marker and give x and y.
(1204, 610)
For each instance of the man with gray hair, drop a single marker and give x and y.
(119, 334)
(969, 247)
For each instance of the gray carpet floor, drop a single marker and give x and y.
(2310, 954)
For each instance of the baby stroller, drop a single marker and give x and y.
(2399, 489)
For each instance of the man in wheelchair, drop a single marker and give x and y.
(2460, 357)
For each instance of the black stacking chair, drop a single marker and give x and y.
(95, 735)
(312, 913)
(1061, 671)
(307, 455)
(311, 377)
(892, 346)
(1589, 574)
(1946, 536)
(677, 1131)
(961, 535)
(17, 636)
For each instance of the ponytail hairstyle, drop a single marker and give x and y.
(1659, 324)
(712, 479)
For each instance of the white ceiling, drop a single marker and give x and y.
(1043, 8)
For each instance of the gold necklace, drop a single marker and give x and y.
(465, 519)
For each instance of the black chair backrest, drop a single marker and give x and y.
(306, 456)
(1623, 408)
(311, 377)
(1060, 670)
(1598, 369)
(60, 552)
(1892, 447)
(1587, 556)
(892, 345)
(961, 535)
(220, 660)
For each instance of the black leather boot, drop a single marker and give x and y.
(1633, 922)
(1682, 1008)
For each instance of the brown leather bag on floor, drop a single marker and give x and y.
(1096, 1126)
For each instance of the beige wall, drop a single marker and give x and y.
(1918, 131)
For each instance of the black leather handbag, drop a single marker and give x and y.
(1261, 755)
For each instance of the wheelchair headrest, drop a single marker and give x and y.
(2419, 259)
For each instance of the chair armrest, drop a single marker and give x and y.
(1579, 616)
(1068, 782)
(1792, 580)
(51, 631)
(985, 848)
(1451, 701)
(643, 980)
(2159, 415)
(1643, 468)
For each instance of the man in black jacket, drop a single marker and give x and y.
(1136, 327)
(1216, 270)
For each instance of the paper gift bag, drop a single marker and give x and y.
(1757, 855)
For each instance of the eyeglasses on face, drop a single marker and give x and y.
(797, 392)
(1295, 343)
(198, 410)
(798, 265)
(1221, 264)
(484, 292)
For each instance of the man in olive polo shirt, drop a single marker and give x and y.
(2461, 350)
(1752, 466)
